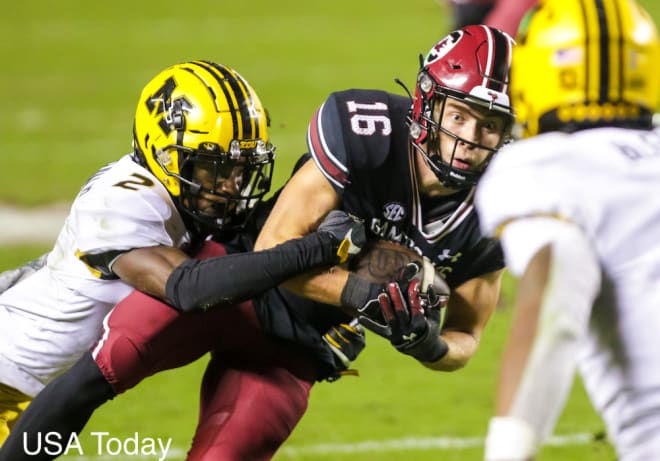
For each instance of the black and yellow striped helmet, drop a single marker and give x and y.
(203, 113)
(585, 63)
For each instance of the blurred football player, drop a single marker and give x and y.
(201, 164)
(409, 171)
(501, 14)
(574, 210)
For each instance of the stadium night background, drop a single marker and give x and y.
(72, 72)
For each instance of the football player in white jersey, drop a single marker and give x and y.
(202, 161)
(573, 206)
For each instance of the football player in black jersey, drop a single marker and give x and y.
(409, 171)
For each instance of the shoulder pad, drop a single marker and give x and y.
(354, 129)
(122, 207)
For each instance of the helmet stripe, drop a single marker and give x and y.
(238, 95)
(491, 56)
(587, 50)
(618, 80)
(245, 103)
(495, 74)
(604, 54)
(502, 62)
(228, 97)
(604, 61)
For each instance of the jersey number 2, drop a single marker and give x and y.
(133, 184)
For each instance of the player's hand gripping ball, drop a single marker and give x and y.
(382, 262)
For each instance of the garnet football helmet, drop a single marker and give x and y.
(470, 65)
(203, 120)
(585, 64)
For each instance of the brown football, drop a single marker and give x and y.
(380, 260)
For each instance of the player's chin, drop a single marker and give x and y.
(218, 210)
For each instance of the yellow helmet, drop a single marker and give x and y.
(200, 116)
(585, 63)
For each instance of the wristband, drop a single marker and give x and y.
(357, 292)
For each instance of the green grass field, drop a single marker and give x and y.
(72, 72)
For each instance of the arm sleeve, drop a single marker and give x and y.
(9, 278)
(201, 284)
(572, 286)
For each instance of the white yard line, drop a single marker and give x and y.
(415, 443)
(372, 446)
(31, 225)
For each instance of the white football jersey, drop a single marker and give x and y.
(605, 181)
(48, 320)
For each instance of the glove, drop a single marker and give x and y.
(370, 314)
(348, 230)
(11, 277)
(414, 317)
(362, 296)
(346, 341)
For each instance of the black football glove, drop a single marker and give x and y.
(349, 232)
(346, 341)
(362, 295)
(411, 307)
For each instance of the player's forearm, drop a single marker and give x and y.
(462, 346)
(324, 286)
(551, 314)
(232, 278)
(467, 313)
(551, 317)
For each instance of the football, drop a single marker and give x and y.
(380, 260)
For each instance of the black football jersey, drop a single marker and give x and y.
(359, 140)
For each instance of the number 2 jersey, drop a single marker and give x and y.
(51, 318)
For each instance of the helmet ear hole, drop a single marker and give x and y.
(415, 130)
(178, 120)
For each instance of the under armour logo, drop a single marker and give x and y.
(410, 338)
(446, 254)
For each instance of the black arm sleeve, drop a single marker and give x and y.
(201, 284)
